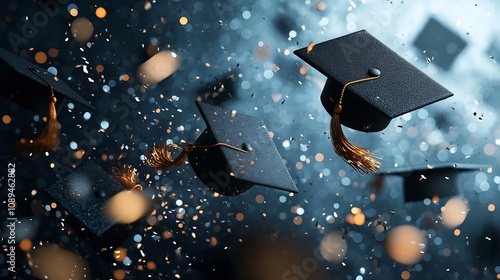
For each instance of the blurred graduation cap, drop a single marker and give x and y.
(441, 181)
(38, 90)
(486, 245)
(440, 44)
(29, 85)
(284, 21)
(368, 85)
(86, 194)
(234, 153)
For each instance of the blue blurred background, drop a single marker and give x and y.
(239, 55)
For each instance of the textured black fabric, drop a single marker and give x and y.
(440, 181)
(370, 105)
(232, 172)
(19, 84)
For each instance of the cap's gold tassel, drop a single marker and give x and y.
(127, 177)
(361, 159)
(49, 140)
(160, 157)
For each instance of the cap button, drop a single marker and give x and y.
(246, 147)
(374, 72)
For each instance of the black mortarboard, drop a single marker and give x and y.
(370, 106)
(38, 90)
(441, 181)
(20, 84)
(439, 43)
(83, 194)
(377, 85)
(234, 153)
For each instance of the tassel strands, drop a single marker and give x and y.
(50, 138)
(361, 159)
(128, 177)
(160, 157)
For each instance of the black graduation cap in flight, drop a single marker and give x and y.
(440, 44)
(234, 153)
(84, 194)
(440, 181)
(368, 85)
(27, 84)
(38, 90)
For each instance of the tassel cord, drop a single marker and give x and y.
(160, 157)
(361, 159)
(50, 136)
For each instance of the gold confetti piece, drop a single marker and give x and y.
(310, 47)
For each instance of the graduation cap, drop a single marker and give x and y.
(36, 89)
(85, 194)
(368, 85)
(234, 153)
(439, 181)
(440, 44)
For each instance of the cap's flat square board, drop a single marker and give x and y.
(440, 44)
(84, 193)
(22, 86)
(263, 164)
(401, 87)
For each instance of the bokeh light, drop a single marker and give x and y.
(126, 207)
(51, 261)
(406, 244)
(454, 212)
(82, 29)
(333, 247)
(159, 67)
